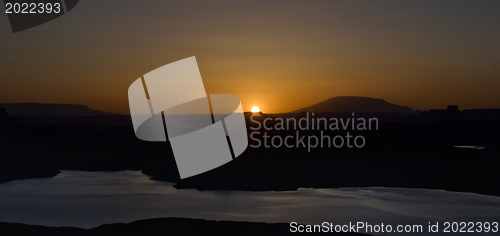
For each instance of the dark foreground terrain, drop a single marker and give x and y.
(413, 150)
(159, 226)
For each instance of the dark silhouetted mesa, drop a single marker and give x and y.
(355, 104)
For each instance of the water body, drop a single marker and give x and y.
(88, 199)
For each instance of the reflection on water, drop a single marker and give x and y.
(477, 147)
(88, 199)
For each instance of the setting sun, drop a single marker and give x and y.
(255, 109)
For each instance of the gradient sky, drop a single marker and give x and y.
(278, 55)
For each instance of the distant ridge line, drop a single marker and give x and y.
(52, 109)
(345, 104)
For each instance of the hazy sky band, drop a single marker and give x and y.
(278, 55)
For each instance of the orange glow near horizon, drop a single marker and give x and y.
(255, 109)
(279, 61)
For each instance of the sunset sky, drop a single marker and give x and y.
(277, 55)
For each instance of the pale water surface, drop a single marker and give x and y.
(88, 199)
